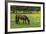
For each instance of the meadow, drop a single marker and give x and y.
(34, 21)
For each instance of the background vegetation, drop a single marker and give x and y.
(23, 9)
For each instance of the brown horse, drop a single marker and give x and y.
(21, 17)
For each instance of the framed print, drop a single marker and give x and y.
(24, 17)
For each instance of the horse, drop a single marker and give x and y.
(22, 17)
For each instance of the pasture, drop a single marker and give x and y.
(34, 21)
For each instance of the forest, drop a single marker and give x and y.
(25, 9)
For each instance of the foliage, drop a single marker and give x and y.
(29, 9)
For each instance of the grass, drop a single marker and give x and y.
(34, 21)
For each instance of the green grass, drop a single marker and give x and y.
(34, 21)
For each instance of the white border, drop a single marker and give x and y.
(24, 29)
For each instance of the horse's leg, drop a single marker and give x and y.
(16, 21)
(28, 21)
(23, 21)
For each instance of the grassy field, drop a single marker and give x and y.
(34, 21)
